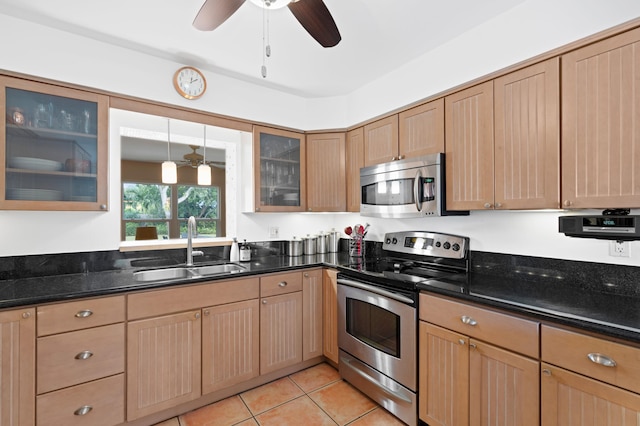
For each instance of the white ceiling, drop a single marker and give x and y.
(378, 36)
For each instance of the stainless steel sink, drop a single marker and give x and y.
(186, 272)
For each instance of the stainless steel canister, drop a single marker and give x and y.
(333, 241)
(321, 243)
(294, 247)
(309, 244)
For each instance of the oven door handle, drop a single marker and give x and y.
(392, 393)
(416, 190)
(376, 290)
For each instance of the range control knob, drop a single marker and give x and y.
(438, 244)
(446, 245)
(394, 241)
(456, 247)
(387, 241)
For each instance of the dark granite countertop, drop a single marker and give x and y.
(595, 297)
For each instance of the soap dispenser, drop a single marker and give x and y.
(245, 252)
(235, 251)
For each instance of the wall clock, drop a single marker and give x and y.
(189, 82)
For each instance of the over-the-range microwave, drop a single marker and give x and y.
(414, 187)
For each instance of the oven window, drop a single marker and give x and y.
(389, 193)
(374, 326)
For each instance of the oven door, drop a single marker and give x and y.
(378, 328)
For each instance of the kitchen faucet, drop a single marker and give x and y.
(191, 229)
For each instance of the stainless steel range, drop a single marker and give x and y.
(377, 305)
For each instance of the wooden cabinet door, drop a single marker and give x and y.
(601, 124)
(312, 292)
(381, 141)
(527, 138)
(280, 331)
(421, 130)
(355, 161)
(504, 387)
(17, 367)
(444, 376)
(330, 314)
(469, 148)
(572, 399)
(163, 363)
(230, 344)
(280, 170)
(326, 173)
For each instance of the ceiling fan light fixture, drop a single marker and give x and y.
(271, 4)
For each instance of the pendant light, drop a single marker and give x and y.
(169, 169)
(204, 170)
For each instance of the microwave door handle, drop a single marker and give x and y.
(416, 190)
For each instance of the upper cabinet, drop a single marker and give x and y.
(527, 138)
(326, 173)
(53, 147)
(469, 148)
(280, 177)
(421, 130)
(601, 124)
(381, 141)
(517, 165)
(355, 161)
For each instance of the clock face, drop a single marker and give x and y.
(189, 82)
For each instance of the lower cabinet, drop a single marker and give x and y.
(280, 321)
(468, 381)
(312, 296)
(230, 344)
(330, 314)
(163, 362)
(17, 367)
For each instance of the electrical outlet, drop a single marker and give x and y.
(619, 248)
(274, 232)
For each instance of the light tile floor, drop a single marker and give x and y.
(313, 397)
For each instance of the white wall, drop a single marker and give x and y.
(61, 56)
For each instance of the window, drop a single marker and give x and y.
(168, 207)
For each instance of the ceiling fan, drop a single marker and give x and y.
(194, 159)
(313, 15)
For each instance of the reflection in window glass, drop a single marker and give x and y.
(152, 205)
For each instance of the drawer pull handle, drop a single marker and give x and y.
(84, 314)
(83, 411)
(468, 320)
(601, 359)
(282, 284)
(84, 355)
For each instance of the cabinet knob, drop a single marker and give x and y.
(306, 275)
(82, 411)
(26, 315)
(498, 205)
(84, 355)
(103, 206)
(264, 301)
(461, 341)
(257, 209)
(546, 372)
(197, 315)
(394, 158)
(473, 345)
(400, 157)
(487, 205)
(601, 359)
(468, 320)
(84, 314)
(310, 209)
(567, 203)
(206, 312)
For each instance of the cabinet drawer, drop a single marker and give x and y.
(589, 356)
(272, 285)
(103, 399)
(186, 298)
(87, 313)
(79, 356)
(500, 329)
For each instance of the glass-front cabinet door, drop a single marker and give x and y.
(53, 147)
(280, 182)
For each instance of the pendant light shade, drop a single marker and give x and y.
(169, 169)
(204, 170)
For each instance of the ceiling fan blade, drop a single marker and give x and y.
(214, 12)
(314, 16)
